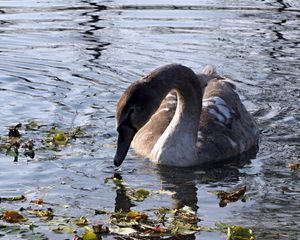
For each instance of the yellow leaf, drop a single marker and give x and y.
(137, 216)
(60, 139)
(89, 235)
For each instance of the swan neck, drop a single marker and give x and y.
(177, 144)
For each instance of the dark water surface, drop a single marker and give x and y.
(67, 62)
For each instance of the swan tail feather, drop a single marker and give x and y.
(209, 70)
(230, 82)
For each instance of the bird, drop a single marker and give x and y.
(175, 117)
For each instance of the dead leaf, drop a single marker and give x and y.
(227, 197)
(294, 166)
(11, 216)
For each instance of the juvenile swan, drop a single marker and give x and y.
(174, 117)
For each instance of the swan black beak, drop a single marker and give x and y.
(126, 134)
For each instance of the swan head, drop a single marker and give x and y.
(134, 109)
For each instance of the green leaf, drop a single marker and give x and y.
(239, 233)
(163, 210)
(32, 125)
(60, 139)
(81, 222)
(11, 199)
(138, 195)
(41, 213)
(137, 216)
(220, 226)
(89, 235)
(100, 212)
(63, 230)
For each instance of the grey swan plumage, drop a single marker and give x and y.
(178, 118)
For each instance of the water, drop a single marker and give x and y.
(67, 62)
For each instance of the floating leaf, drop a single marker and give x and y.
(164, 192)
(163, 210)
(100, 212)
(137, 216)
(294, 166)
(81, 222)
(99, 229)
(154, 230)
(63, 229)
(89, 235)
(75, 132)
(32, 125)
(42, 213)
(239, 233)
(221, 226)
(185, 229)
(117, 180)
(29, 152)
(31, 226)
(11, 199)
(39, 201)
(122, 230)
(185, 215)
(227, 197)
(11, 216)
(138, 195)
(60, 139)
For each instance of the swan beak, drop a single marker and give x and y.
(126, 134)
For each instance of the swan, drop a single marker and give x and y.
(178, 118)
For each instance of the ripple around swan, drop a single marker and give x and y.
(68, 62)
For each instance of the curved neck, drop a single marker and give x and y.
(177, 145)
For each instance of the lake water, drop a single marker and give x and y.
(67, 63)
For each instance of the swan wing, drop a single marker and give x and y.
(148, 135)
(226, 128)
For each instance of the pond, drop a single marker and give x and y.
(64, 65)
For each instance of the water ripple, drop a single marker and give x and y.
(68, 62)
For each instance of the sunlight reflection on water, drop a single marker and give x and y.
(69, 63)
